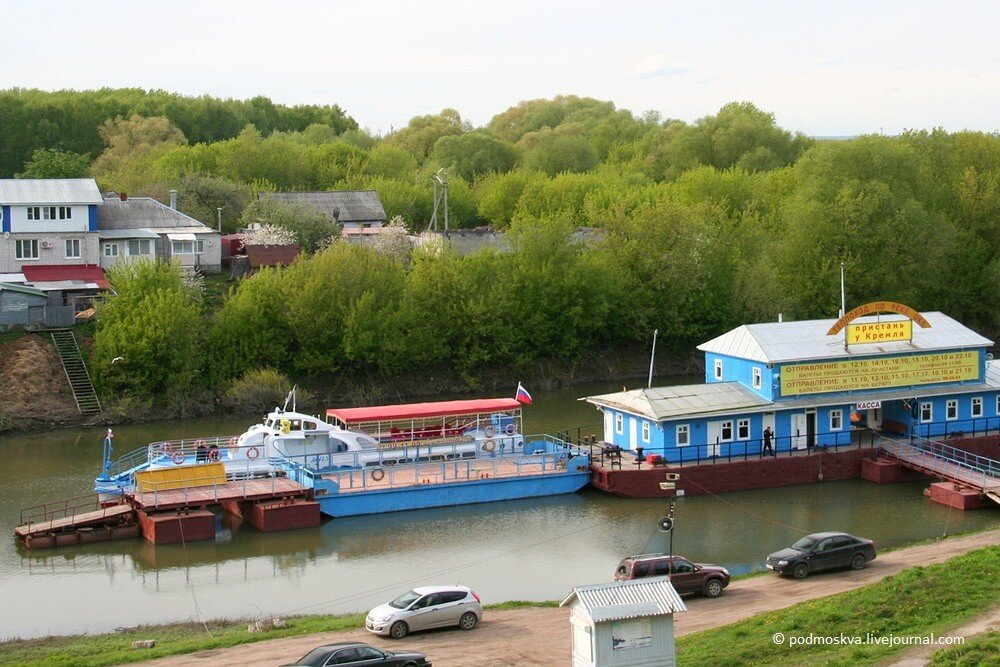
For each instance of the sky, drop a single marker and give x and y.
(822, 68)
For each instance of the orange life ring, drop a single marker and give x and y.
(178, 458)
(509, 428)
(214, 454)
(252, 453)
(490, 431)
(380, 476)
(489, 446)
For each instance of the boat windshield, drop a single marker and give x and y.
(405, 600)
(805, 544)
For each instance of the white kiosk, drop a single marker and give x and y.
(624, 623)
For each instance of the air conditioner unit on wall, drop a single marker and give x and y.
(47, 244)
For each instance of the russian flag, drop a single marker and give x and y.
(522, 394)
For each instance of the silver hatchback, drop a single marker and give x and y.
(424, 608)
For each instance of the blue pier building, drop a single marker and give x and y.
(818, 383)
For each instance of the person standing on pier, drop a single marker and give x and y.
(768, 435)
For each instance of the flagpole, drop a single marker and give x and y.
(652, 357)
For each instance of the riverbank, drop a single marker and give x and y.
(42, 400)
(923, 597)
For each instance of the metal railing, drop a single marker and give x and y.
(957, 428)
(201, 484)
(942, 459)
(70, 508)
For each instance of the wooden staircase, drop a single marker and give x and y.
(76, 371)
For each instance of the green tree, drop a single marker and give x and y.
(312, 228)
(553, 152)
(54, 163)
(201, 196)
(422, 132)
(473, 154)
(251, 330)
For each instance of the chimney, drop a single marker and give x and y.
(173, 199)
(123, 196)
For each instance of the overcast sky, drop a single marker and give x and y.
(823, 68)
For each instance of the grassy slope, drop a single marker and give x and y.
(916, 602)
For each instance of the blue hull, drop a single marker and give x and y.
(356, 503)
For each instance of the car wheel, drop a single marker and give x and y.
(713, 588)
(858, 561)
(468, 621)
(399, 630)
(800, 571)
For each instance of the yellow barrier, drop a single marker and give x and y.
(180, 477)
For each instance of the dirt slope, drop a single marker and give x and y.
(540, 637)
(33, 385)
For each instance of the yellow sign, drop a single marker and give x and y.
(180, 477)
(879, 332)
(878, 307)
(855, 374)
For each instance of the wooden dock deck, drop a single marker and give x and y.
(203, 496)
(81, 520)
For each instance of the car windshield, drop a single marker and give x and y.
(805, 544)
(405, 600)
(315, 656)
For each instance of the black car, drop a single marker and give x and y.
(358, 654)
(822, 551)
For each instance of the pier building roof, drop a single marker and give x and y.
(619, 600)
(661, 403)
(780, 342)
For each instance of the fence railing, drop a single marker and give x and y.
(201, 484)
(957, 428)
(63, 509)
(943, 459)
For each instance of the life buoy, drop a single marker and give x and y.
(378, 474)
(253, 453)
(214, 454)
(509, 428)
(178, 458)
(489, 446)
(490, 431)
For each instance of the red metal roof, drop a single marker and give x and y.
(50, 273)
(418, 410)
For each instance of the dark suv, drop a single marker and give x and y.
(686, 577)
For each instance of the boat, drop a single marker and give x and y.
(368, 460)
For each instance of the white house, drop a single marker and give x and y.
(624, 623)
(48, 222)
(135, 228)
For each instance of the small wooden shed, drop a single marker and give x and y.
(21, 305)
(624, 623)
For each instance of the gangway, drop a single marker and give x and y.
(947, 462)
(65, 521)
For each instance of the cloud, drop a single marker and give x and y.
(658, 66)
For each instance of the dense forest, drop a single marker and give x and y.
(700, 226)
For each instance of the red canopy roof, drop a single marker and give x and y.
(418, 410)
(51, 273)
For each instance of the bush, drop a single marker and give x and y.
(260, 390)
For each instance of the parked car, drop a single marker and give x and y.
(686, 577)
(424, 608)
(822, 551)
(357, 653)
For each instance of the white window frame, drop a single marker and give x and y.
(951, 409)
(756, 377)
(619, 423)
(19, 245)
(929, 406)
(836, 420)
(110, 250)
(723, 425)
(686, 430)
(139, 244)
(34, 212)
(976, 406)
(718, 369)
(645, 431)
(70, 243)
(49, 213)
(65, 212)
(742, 429)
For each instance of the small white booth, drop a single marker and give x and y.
(624, 623)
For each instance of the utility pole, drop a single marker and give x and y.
(440, 196)
(666, 523)
(218, 217)
(652, 357)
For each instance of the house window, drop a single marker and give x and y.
(72, 248)
(977, 406)
(65, 212)
(34, 213)
(49, 212)
(26, 249)
(951, 409)
(140, 247)
(683, 435)
(727, 431)
(756, 378)
(619, 423)
(188, 247)
(836, 420)
(645, 431)
(718, 369)
(927, 412)
(110, 249)
(743, 429)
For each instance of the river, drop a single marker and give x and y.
(535, 549)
